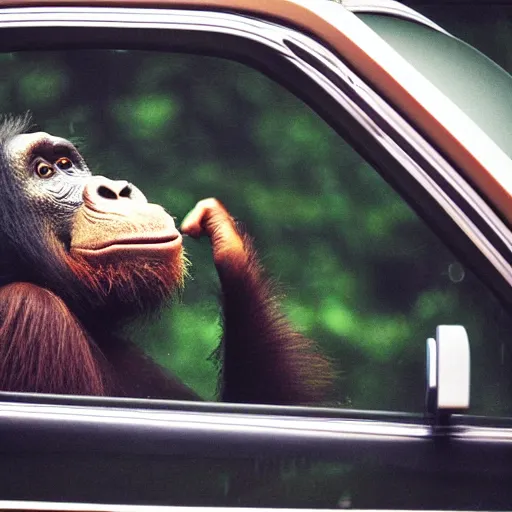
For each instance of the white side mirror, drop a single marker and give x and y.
(448, 370)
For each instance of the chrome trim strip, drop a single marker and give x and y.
(275, 37)
(20, 398)
(240, 427)
(213, 423)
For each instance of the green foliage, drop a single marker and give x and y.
(148, 117)
(43, 86)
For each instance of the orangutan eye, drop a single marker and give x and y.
(64, 163)
(44, 170)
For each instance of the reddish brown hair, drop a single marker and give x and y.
(43, 347)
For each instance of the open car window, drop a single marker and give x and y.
(360, 272)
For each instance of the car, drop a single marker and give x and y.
(367, 150)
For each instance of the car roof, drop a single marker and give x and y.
(459, 138)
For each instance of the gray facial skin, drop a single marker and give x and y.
(52, 172)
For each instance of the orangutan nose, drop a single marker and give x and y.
(100, 188)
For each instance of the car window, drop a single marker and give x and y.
(476, 84)
(359, 271)
(483, 25)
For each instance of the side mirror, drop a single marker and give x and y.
(448, 371)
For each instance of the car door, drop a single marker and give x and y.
(376, 219)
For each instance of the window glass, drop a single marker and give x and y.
(360, 273)
(484, 25)
(476, 84)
